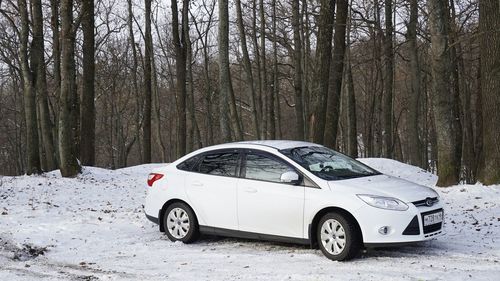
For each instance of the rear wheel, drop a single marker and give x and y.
(338, 237)
(180, 223)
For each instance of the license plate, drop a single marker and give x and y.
(433, 218)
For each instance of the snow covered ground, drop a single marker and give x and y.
(93, 228)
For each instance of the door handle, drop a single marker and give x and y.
(197, 183)
(250, 190)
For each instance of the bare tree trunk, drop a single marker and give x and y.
(489, 25)
(266, 100)
(478, 124)
(87, 109)
(321, 81)
(352, 127)
(463, 95)
(40, 79)
(225, 87)
(414, 142)
(378, 83)
(156, 107)
(306, 58)
(248, 69)
(33, 163)
(274, 94)
(336, 74)
(180, 71)
(194, 132)
(206, 62)
(388, 149)
(297, 74)
(146, 128)
(68, 113)
(194, 129)
(56, 49)
(256, 51)
(135, 89)
(56, 57)
(446, 118)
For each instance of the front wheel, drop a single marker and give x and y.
(180, 223)
(338, 237)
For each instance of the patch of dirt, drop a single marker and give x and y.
(22, 252)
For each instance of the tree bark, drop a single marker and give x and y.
(352, 127)
(32, 152)
(266, 95)
(225, 87)
(87, 109)
(336, 75)
(194, 131)
(388, 149)
(297, 71)
(446, 119)
(180, 70)
(247, 65)
(306, 58)
(273, 106)
(256, 51)
(135, 87)
(68, 113)
(489, 26)
(40, 79)
(462, 93)
(414, 142)
(321, 79)
(146, 128)
(56, 47)
(203, 37)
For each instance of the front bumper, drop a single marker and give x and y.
(402, 226)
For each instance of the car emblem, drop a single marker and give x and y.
(429, 202)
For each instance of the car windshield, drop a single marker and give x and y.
(327, 163)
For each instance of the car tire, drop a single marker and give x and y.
(338, 237)
(180, 223)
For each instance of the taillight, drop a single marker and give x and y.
(153, 177)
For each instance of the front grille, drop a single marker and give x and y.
(433, 227)
(431, 200)
(413, 228)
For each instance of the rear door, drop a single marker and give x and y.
(211, 188)
(265, 205)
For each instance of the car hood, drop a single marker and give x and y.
(384, 185)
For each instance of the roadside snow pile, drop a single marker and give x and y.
(93, 228)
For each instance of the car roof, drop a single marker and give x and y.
(264, 144)
(279, 144)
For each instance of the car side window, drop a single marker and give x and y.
(260, 167)
(221, 163)
(189, 164)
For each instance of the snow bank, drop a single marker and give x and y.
(93, 228)
(401, 170)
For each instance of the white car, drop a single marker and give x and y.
(289, 191)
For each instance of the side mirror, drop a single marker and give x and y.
(290, 177)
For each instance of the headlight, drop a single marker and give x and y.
(381, 202)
